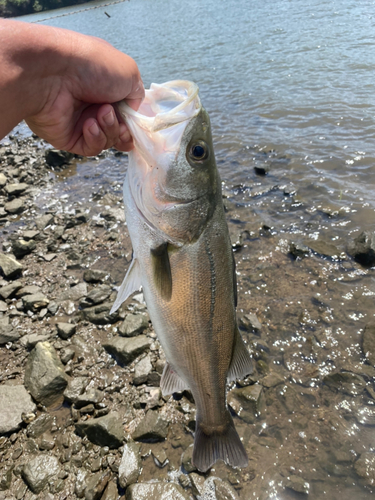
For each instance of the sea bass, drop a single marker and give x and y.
(183, 260)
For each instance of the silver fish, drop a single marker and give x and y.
(183, 260)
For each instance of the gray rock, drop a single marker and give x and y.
(197, 483)
(3, 180)
(156, 490)
(75, 388)
(44, 374)
(57, 158)
(30, 235)
(27, 290)
(20, 248)
(38, 471)
(92, 396)
(247, 402)
(8, 290)
(346, 382)
(65, 330)
(100, 314)
(186, 460)
(40, 425)
(223, 490)
(125, 350)
(7, 334)
(96, 484)
(153, 427)
(35, 302)
(3, 306)
(81, 482)
(95, 275)
(368, 343)
(53, 307)
(31, 340)
(272, 380)
(15, 206)
(133, 324)
(362, 249)
(14, 400)
(365, 467)
(142, 370)
(16, 189)
(130, 465)
(111, 492)
(5, 481)
(43, 221)
(298, 251)
(297, 484)
(96, 296)
(74, 293)
(103, 431)
(11, 268)
(250, 322)
(66, 355)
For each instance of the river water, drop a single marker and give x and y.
(289, 87)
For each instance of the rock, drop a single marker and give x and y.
(31, 340)
(40, 425)
(96, 296)
(16, 189)
(43, 221)
(368, 343)
(365, 415)
(38, 471)
(153, 427)
(111, 492)
(95, 275)
(65, 330)
(3, 306)
(262, 169)
(272, 380)
(27, 290)
(100, 314)
(14, 400)
(365, 467)
(20, 248)
(133, 324)
(103, 431)
(30, 235)
(186, 460)
(93, 396)
(10, 267)
(125, 350)
(297, 484)
(15, 206)
(197, 483)
(66, 355)
(35, 302)
(74, 293)
(142, 370)
(75, 388)
(57, 158)
(130, 464)
(5, 481)
(156, 490)
(81, 481)
(247, 402)
(250, 322)
(96, 484)
(44, 374)
(3, 180)
(8, 290)
(7, 334)
(346, 382)
(362, 249)
(298, 251)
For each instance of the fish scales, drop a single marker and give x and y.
(183, 260)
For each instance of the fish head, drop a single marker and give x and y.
(172, 171)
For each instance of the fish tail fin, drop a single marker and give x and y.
(224, 444)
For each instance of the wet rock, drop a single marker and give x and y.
(43, 221)
(103, 431)
(346, 382)
(66, 355)
(65, 330)
(197, 483)
(365, 467)
(8, 290)
(298, 251)
(14, 401)
(152, 428)
(16, 189)
(31, 340)
(262, 169)
(95, 275)
(142, 370)
(324, 248)
(250, 322)
(215, 488)
(125, 350)
(5, 481)
(30, 235)
(368, 343)
(97, 296)
(156, 491)
(8, 334)
(75, 388)
(38, 471)
(272, 380)
(111, 492)
(53, 307)
(133, 324)
(365, 415)
(96, 484)
(362, 249)
(27, 290)
(92, 396)
(247, 402)
(10, 267)
(16, 206)
(100, 314)
(57, 158)
(130, 465)
(44, 374)
(186, 459)
(40, 425)
(35, 302)
(297, 484)
(74, 293)
(20, 248)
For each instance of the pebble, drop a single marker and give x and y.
(130, 464)
(142, 370)
(152, 427)
(39, 470)
(250, 322)
(75, 388)
(43, 221)
(133, 324)
(40, 425)
(65, 330)
(14, 401)
(297, 484)
(95, 275)
(125, 350)
(103, 431)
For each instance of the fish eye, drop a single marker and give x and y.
(198, 151)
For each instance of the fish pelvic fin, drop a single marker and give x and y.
(162, 270)
(131, 283)
(218, 444)
(241, 364)
(170, 382)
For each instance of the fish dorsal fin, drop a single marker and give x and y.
(241, 364)
(162, 270)
(131, 283)
(170, 382)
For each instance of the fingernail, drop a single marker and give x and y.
(109, 118)
(94, 129)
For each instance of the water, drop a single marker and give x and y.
(289, 86)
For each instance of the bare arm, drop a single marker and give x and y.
(63, 83)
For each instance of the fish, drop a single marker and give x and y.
(183, 260)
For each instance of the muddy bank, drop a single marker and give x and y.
(81, 413)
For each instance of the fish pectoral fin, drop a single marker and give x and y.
(131, 283)
(162, 270)
(170, 382)
(241, 364)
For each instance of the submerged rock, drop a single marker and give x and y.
(362, 249)
(125, 350)
(247, 402)
(346, 382)
(38, 471)
(152, 428)
(297, 484)
(130, 464)
(103, 431)
(368, 343)
(156, 491)
(14, 400)
(250, 322)
(365, 467)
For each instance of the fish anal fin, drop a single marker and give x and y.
(162, 270)
(131, 283)
(170, 382)
(218, 444)
(241, 364)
